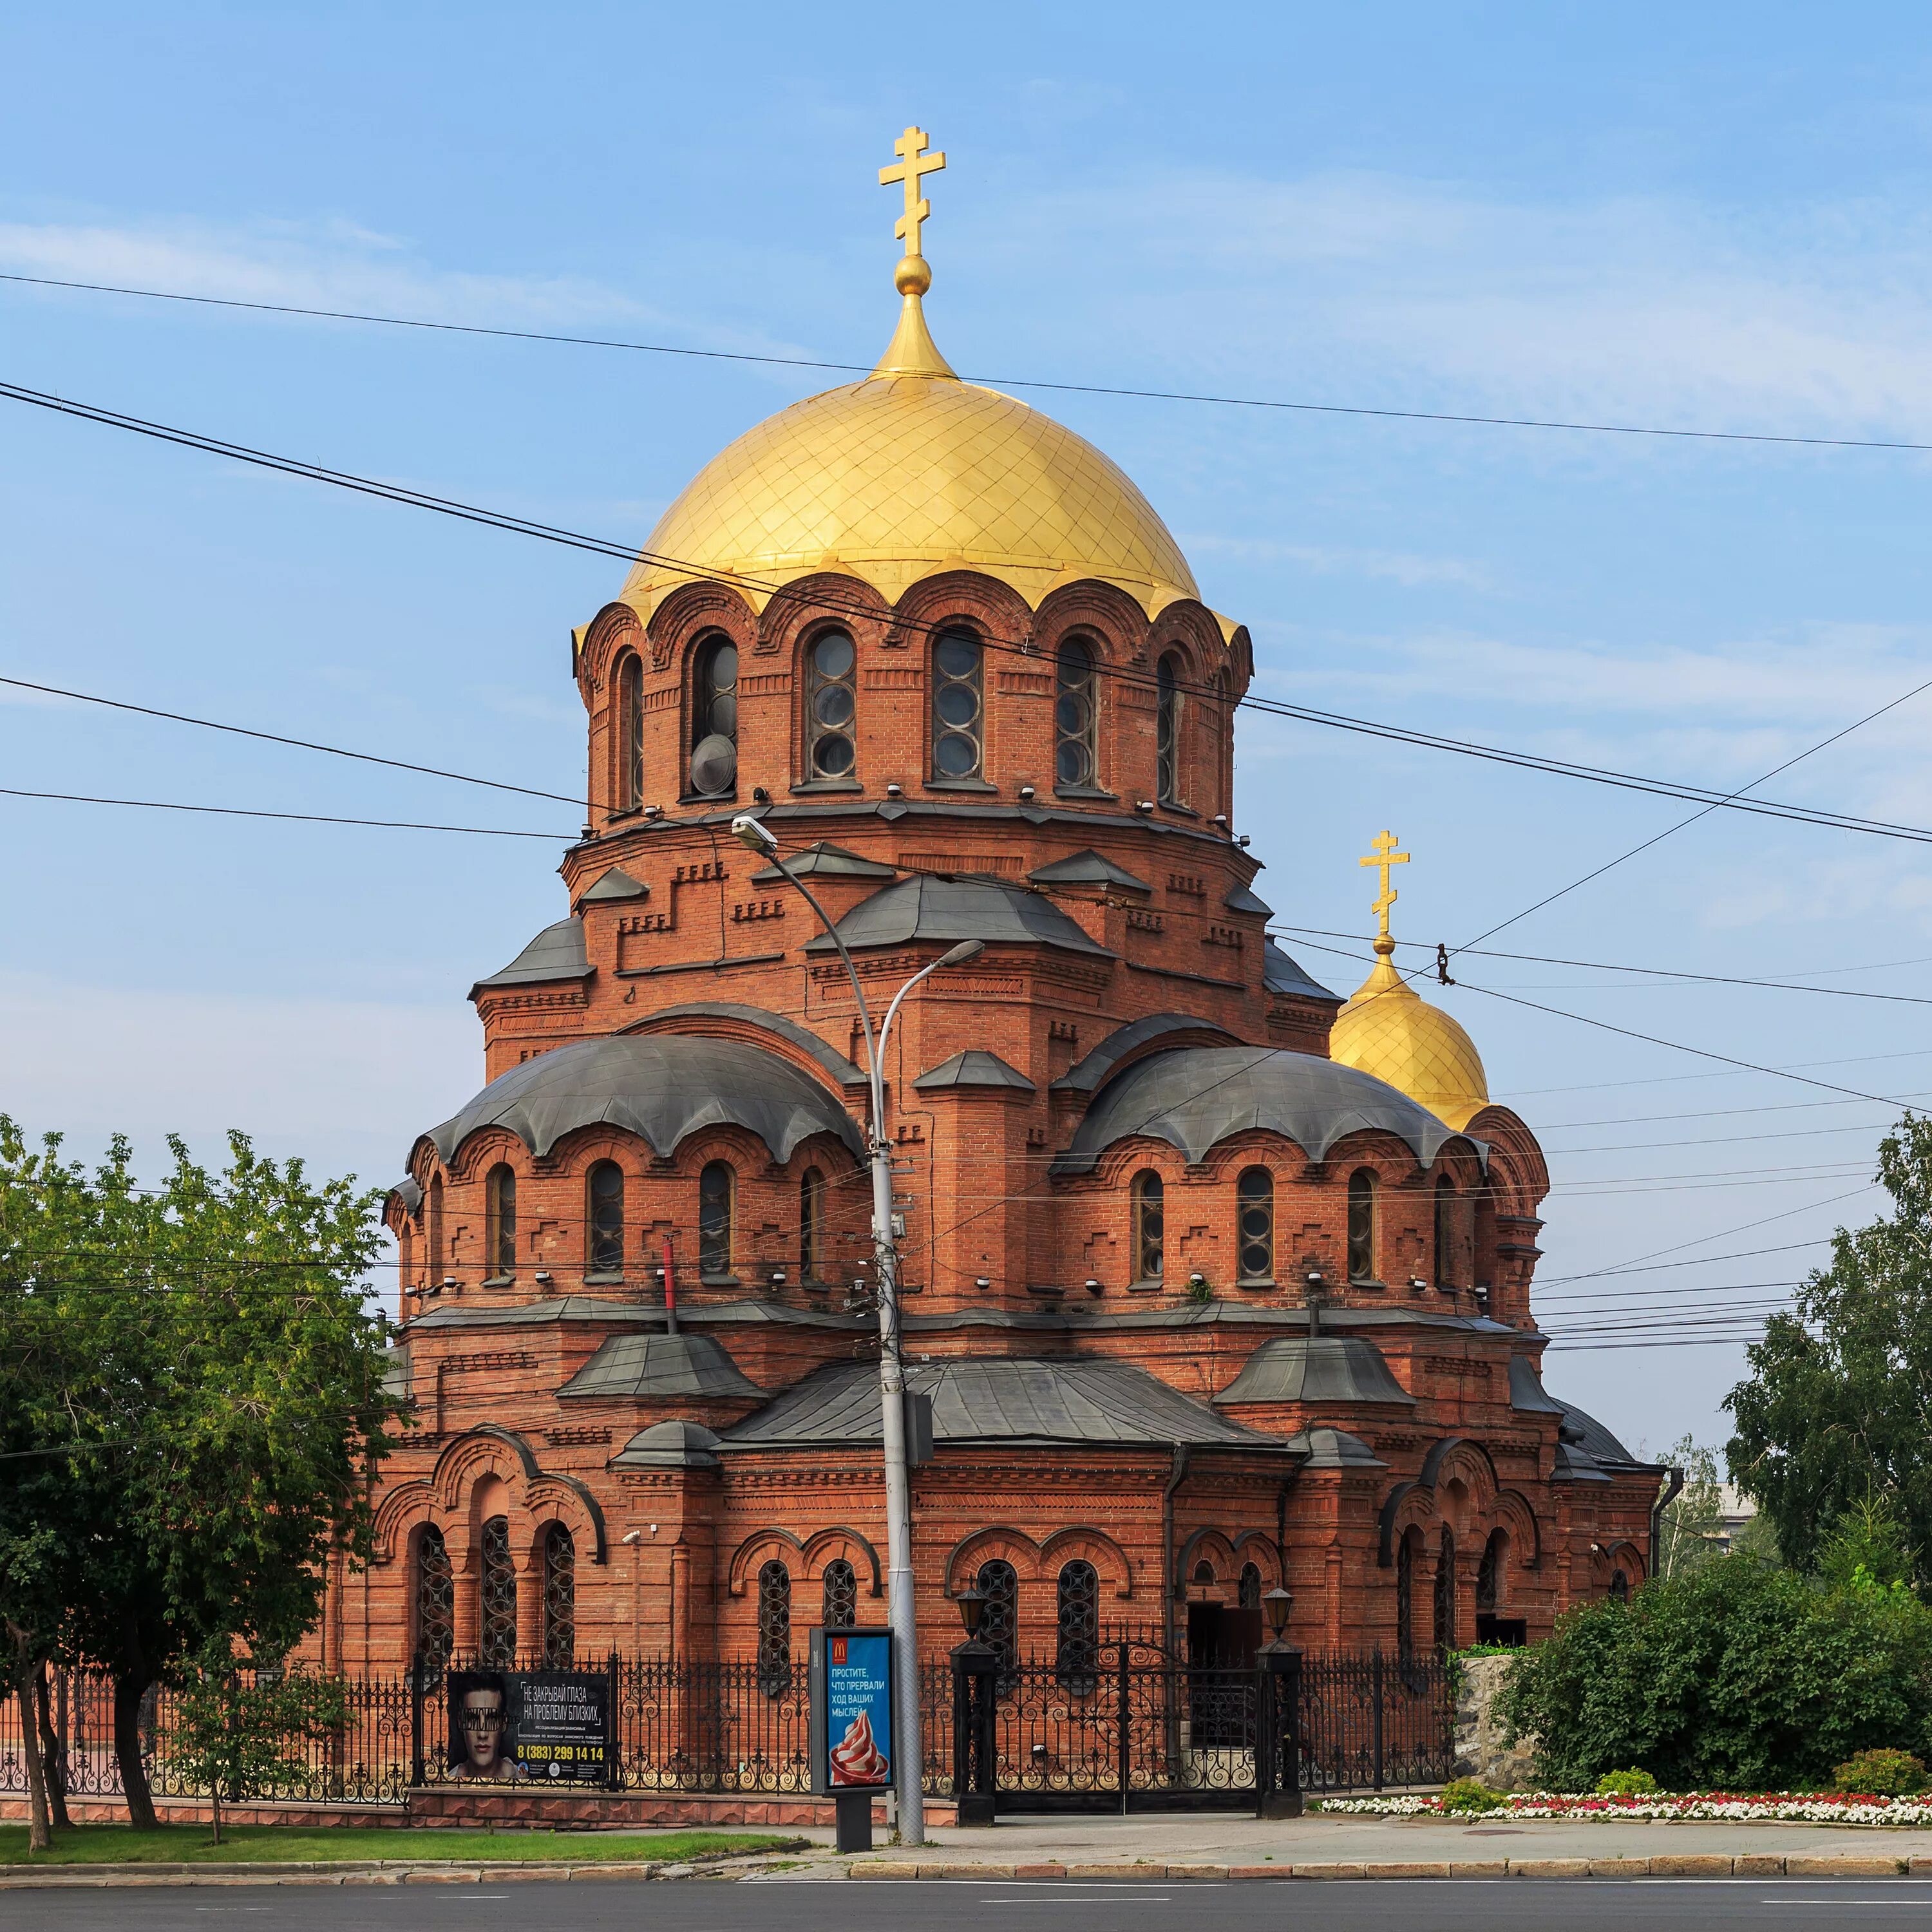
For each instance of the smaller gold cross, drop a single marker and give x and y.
(913, 162)
(1385, 856)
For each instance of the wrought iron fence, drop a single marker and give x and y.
(1369, 1720)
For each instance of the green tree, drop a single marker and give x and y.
(1690, 1523)
(1834, 1415)
(223, 1411)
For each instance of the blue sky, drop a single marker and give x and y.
(1714, 221)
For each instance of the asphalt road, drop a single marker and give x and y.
(1453, 1905)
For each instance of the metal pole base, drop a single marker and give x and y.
(974, 1808)
(1280, 1804)
(853, 1811)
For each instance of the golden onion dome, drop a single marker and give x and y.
(1388, 1029)
(910, 472)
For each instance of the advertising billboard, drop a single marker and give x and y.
(852, 1710)
(510, 1726)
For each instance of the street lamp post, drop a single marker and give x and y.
(901, 1614)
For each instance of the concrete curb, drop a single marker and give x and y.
(1719, 1865)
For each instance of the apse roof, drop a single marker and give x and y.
(555, 953)
(1316, 1368)
(974, 1068)
(663, 1086)
(1335, 1449)
(825, 860)
(1195, 1096)
(668, 1445)
(653, 1367)
(1088, 868)
(926, 907)
(1003, 1399)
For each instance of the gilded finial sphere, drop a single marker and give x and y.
(914, 275)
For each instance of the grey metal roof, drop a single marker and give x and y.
(535, 1314)
(1195, 1096)
(834, 1062)
(1088, 1074)
(1526, 1389)
(1594, 1440)
(1088, 868)
(662, 1368)
(1241, 900)
(1335, 1449)
(668, 1445)
(1280, 974)
(1575, 1464)
(926, 907)
(616, 883)
(555, 953)
(663, 1086)
(824, 860)
(1001, 1399)
(409, 1192)
(974, 1068)
(1317, 1368)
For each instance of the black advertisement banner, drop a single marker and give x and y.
(514, 1726)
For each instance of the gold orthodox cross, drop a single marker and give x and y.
(913, 162)
(1385, 856)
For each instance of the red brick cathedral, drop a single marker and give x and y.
(1215, 1283)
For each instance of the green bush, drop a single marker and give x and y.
(1471, 1794)
(1734, 1677)
(1625, 1784)
(1883, 1773)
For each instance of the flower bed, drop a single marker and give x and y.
(1786, 1808)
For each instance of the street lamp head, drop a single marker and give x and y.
(967, 948)
(1277, 1603)
(972, 1602)
(753, 836)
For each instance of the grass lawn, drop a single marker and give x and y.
(259, 1844)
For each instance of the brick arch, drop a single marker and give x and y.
(693, 609)
(825, 1545)
(565, 1499)
(1096, 1547)
(1511, 1511)
(995, 610)
(486, 1451)
(1211, 1546)
(1625, 1554)
(1409, 1505)
(758, 1548)
(826, 600)
(963, 1560)
(614, 630)
(1257, 1546)
(1101, 612)
(402, 1510)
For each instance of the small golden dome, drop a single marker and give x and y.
(908, 472)
(1388, 1029)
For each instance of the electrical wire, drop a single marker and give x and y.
(298, 817)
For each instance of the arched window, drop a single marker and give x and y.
(1448, 1273)
(999, 1625)
(1489, 1574)
(840, 1605)
(1361, 1225)
(500, 1198)
(1248, 1592)
(436, 1598)
(1406, 1553)
(438, 1260)
(631, 733)
(715, 1187)
(1150, 1225)
(604, 1189)
(497, 1599)
(1254, 1213)
(1167, 730)
(559, 1597)
(774, 1629)
(714, 718)
(1619, 1587)
(1445, 1594)
(1079, 1635)
(1075, 765)
(831, 707)
(811, 1225)
(959, 735)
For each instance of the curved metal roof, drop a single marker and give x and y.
(1316, 1368)
(662, 1368)
(930, 907)
(557, 952)
(663, 1086)
(1281, 974)
(1196, 1096)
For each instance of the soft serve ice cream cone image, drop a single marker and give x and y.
(856, 1758)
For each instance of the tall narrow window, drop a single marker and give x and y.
(497, 1620)
(559, 1597)
(1254, 1212)
(438, 1262)
(1361, 1225)
(811, 1225)
(500, 1196)
(959, 741)
(436, 1598)
(1619, 1587)
(714, 719)
(1406, 1554)
(999, 1625)
(1248, 1591)
(603, 1252)
(1077, 1637)
(841, 1595)
(774, 1629)
(1445, 1594)
(1489, 1573)
(631, 733)
(1075, 764)
(831, 706)
(715, 1187)
(1149, 1226)
(1448, 1274)
(1167, 730)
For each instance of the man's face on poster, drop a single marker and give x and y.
(483, 1719)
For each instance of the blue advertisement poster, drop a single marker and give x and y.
(858, 1710)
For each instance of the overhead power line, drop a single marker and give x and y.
(1280, 404)
(303, 818)
(1272, 707)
